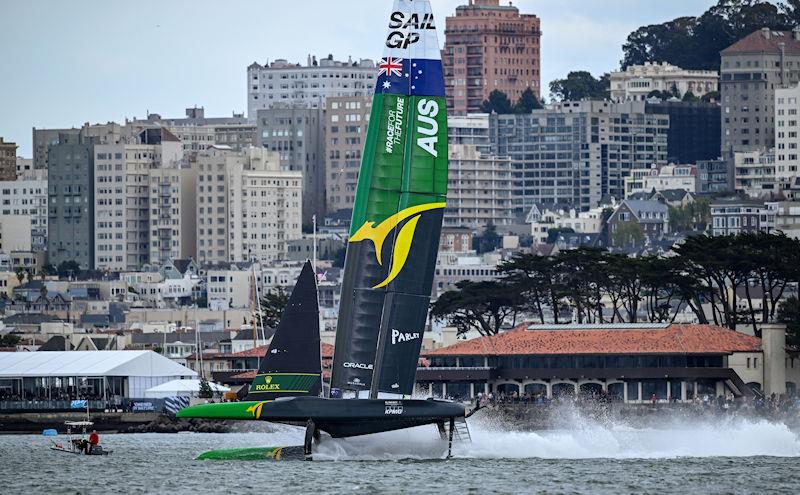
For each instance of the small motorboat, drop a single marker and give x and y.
(78, 443)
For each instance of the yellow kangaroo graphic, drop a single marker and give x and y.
(402, 246)
(256, 410)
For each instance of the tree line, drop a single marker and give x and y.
(725, 280)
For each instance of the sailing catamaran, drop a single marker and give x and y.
(388, 274)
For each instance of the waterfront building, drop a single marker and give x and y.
(755, 173)
(637, 81)
(27, 198)
(714, 176)
(577, 153)
(307, 86)
(751, 70)
(730, 216)
(628, 362)
(70, 183)
(694, 129)
(787, 140)
(478, 189)
(346, 121)
(489, 47)
(297, 134)
(8, 160)
(248, 207)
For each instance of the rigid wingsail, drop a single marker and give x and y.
(391, 256)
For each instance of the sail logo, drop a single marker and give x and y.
(267, 386)
(403, 27)
(394, 126)
(360, 366)
(402, 244)
(256, 410)
(398, 336)
(428, 126)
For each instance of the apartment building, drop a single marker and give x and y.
(755, 173)
(478, 189)
(27, 198)
(576, 153)
(346, 121)
(638, 81)
(308, 86)
(489, 47)
(248, 206)
(8, 160)
(787, 140)
(736, 215)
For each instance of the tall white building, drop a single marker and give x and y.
(479, 189)
(15, 233)
(637, 81)
(27, 198)
(247, 206)
(126, 208)
(787, 141)
(307, 85)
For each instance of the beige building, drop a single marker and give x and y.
(479, 189)
(637, 81)
(346, 121)
(15, 233)
(27, 197)
(662, 178)
(787, 141)
(8, 160)
(247, 206)
(755, 173)
(489, 47)
(129, 205)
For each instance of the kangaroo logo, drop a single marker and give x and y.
(256, 410)
(377, 234)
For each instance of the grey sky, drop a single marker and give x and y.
(69, 62)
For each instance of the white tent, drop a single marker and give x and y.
(181, 388)
(142, 369)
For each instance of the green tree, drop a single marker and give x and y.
(552, 234)
(627, 234)
(710, 96)
(20, 272)
(273, 303)
(527, 102)
(49, 270)
(579, 85)
(690, 97)
(789, 314)
(489, 240)
(206, 392)
(482, 306)
(68, 268)
(695, 42)
(497, 102)
(9, 340)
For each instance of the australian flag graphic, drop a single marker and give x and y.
(403, 76)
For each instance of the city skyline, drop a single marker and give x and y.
(191, 58)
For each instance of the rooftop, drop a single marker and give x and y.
(765, 41)
(605, 339)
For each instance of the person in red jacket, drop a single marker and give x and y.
(94, 441)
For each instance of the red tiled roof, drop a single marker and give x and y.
(755, 42)
(673, 339)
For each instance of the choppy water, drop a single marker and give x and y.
(724, 457)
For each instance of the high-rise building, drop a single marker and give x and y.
(281, 82)
(27, 198)
(109, 133)
(752, 69)
(70, 202)
(489, 47)
(297, 134)
(137, 202)
(197, 132)
(248, 206)
(787, 140)
(638, 81)
(478, 189)
(15, 233)
(8, 160)
(346, 121)
(694, 129)
(577, 153)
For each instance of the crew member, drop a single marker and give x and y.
(94, 439)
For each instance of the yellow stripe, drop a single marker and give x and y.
(277, 391)
(401, 248)
(288, 374)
